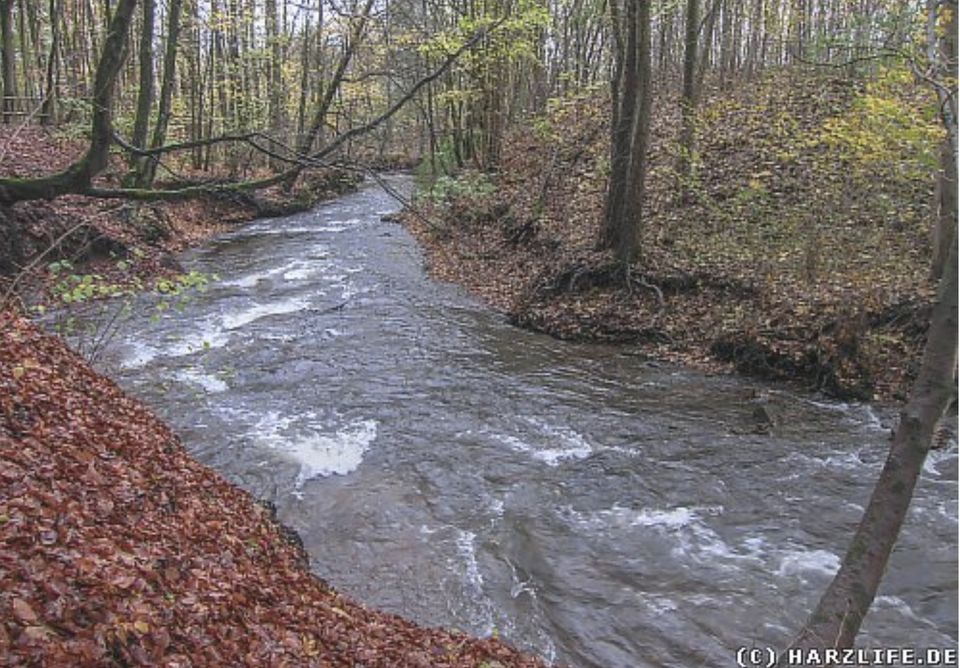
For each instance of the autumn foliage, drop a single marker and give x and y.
(118, 548)
(802, 251)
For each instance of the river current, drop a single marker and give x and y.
(578, 501)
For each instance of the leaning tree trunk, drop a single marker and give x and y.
(840, 612)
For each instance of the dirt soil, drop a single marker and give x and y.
(788, 259)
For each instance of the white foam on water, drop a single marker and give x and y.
(659, 605)
(258, 311)
(949, 512)
(467, 551)
(466, 548)
(873, 421)
(844, 460)
(936, 457)
(798, 562)
(318, 453)
(140, 356)
(250, 280)
(208, 337)
(562, 443)
(671, 519)
(264, 230)
(338, 225)
(269, 426)
(340, 453)
(209, 384)
(300, 273)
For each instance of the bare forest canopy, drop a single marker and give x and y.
(256, 89)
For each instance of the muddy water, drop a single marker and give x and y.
(581, 503)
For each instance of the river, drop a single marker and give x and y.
(578, 501)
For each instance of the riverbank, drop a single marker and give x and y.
(118, 548)
(799, 254)
(123, 243)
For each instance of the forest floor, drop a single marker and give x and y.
(118, 548)
(801, 252)
(121, 242)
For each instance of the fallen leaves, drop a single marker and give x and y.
(117, 548)
(783, 263)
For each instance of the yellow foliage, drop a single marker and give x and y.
(891, 125)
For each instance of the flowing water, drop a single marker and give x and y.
(574, 499)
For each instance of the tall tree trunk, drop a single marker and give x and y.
(630, 134)
(48, 109)
(149, 170)
(141, 121)
(8, 59)
(945, 227)
(688, 101)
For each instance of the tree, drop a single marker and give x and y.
(688, 102)
(77, 177)
(630, 135)
(836, 620)
(145, 89)
(8, 64)
(147, 169)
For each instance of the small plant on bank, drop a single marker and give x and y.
(468, 185)
(88, 310)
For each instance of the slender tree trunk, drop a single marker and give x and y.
(333, 86)
(8, 59)
(145, 93)
(149, 171)
(688, 102)
(945, 228)
(48, 109)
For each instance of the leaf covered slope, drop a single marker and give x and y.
(801, 250)
(118, 548)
